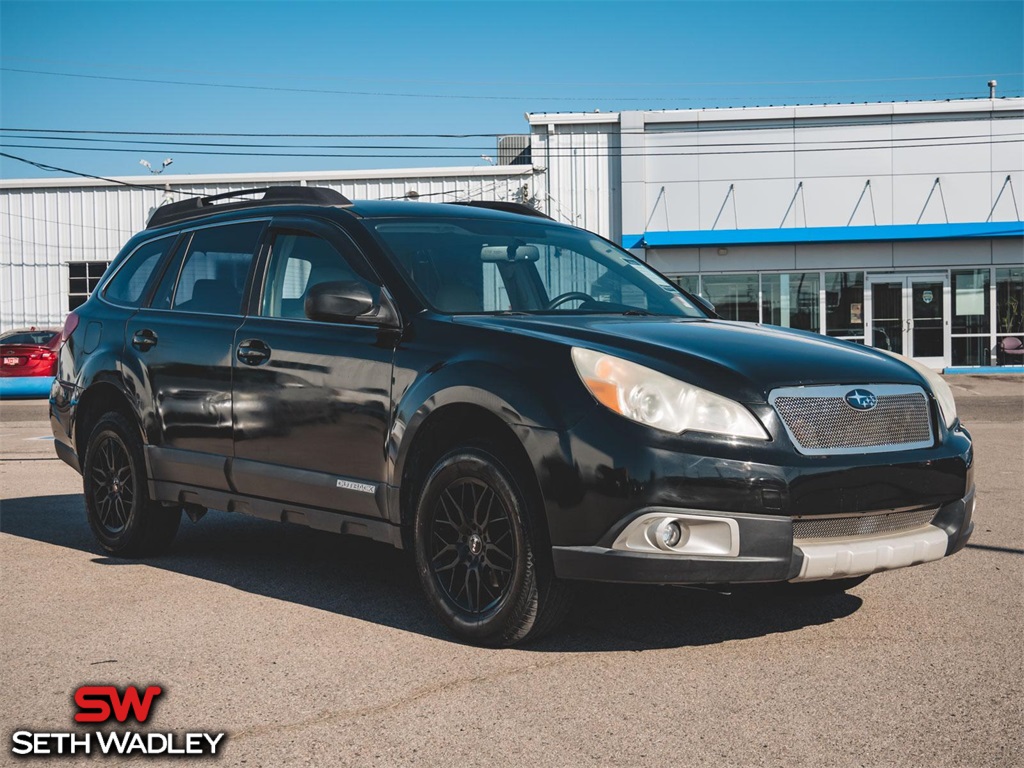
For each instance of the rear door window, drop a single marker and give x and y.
(214, 271)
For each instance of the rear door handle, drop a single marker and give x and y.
(253, 352)
(144, 339)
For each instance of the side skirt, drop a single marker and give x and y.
(266, 509)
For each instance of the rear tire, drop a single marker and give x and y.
(125, 520)
(480, 554)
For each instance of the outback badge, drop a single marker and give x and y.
(861, 399)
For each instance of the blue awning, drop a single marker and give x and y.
(885, 232)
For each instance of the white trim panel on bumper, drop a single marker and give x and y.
(857, 557)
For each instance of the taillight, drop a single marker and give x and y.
(69, 326)
(47, 355)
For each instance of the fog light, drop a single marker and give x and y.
(669, 534)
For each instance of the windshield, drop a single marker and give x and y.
(473, 266)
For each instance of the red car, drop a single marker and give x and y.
(29, 352)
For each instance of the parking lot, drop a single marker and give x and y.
(308, 648)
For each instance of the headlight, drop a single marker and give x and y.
(943, 394)
(659, 401)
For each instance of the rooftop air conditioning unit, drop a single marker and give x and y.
(514, 150)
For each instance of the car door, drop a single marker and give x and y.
(179, 351)
(312, 399)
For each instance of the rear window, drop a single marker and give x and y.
(40, 338)
(128, 285)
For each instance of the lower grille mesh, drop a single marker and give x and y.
(861, 525)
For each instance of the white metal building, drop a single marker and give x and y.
(58, 235)
(896, 224)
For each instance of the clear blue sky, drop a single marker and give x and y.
(454, 67)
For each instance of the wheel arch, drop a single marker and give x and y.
(455, 424)
(99, 398)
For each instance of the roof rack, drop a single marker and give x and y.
(200, 206)
(499, 205)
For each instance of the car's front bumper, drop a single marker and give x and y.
(767, 551)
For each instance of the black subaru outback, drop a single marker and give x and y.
(520, 403)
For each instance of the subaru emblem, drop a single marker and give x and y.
(861, 399)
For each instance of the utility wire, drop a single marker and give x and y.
(648, 130)
(57, 169)
(623, 83)
(556, 153)
(144, 145)
(390, 94)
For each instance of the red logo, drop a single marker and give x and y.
(98, 703)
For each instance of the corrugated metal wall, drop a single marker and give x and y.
(578, 175)
(44, 228)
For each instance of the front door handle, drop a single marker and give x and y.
(144, 339)
(253, 352)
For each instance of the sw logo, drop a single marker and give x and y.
(101, 704)
(98, 703)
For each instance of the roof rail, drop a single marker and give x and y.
(499, 205)
(200, 206)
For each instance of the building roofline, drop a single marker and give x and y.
(790, 111)
(297, 177)
(794, 235)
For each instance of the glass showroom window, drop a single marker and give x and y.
(844, 305)
(1010, 316)
(971, 326)
(734, 296)
(791, 300)
(83, 277)
(689, 283)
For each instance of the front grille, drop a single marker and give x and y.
(819, 420)
(860, 525)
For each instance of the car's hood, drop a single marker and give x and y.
(741, 360)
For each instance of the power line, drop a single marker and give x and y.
(57, 169)
(649, 130)
(336, 92)
(390, 94)
(557, 153)
(623, 83)
(150, 145)
(121, 232)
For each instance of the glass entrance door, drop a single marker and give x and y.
(908, 314)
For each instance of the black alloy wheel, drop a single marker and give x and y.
(121, 514)
(473, 546)
(113, 485)
(481, 554)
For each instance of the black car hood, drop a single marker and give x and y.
(741, 360)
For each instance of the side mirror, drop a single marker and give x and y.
(338, 302)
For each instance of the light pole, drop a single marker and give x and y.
(164, 164)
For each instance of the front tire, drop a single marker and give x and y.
(477, 552)
(126, 522)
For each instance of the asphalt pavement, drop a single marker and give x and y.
(313, 649)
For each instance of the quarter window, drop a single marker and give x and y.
(127, 286)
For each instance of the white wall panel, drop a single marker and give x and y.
(47, 224)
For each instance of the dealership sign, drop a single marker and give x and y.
(100, 704)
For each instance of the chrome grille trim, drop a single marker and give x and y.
(820, 422)
(857, 526)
